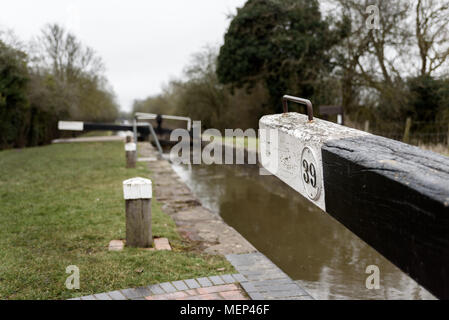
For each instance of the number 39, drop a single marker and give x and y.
(309, 175)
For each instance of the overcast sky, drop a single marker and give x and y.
(144, 43)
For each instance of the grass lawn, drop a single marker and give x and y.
(60, 205)
(96, 134)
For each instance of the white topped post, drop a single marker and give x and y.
(131, 152)
(138, 193)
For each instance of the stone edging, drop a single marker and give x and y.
(266, 281)
(172, 289)
(196, 223)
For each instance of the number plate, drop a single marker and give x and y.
(310, 174)
(295, 151)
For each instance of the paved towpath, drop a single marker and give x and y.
(266, 281)
(224, 287)
(258, 278)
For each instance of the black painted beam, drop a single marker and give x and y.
(93, 126)
(396, 198)
(96, 126)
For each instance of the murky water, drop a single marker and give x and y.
(328, 260)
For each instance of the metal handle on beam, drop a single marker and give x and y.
(302, 101)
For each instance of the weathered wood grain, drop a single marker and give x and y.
(281, 153)
(131, 159)
(396, 198)
(138, 193)
(138, 223)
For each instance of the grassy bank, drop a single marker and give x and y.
(60, 205)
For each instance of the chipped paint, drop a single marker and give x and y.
(295, 133)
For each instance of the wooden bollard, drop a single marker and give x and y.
(408, 125)
(131, 154)
(447, 142)
(366, 129)
(138, 193)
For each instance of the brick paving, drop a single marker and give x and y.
(226, 287)
(258, 279)
(218, 292)
(265, 281)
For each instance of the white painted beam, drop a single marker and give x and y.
(71, 125)
(293, 153)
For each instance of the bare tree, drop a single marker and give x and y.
(64, 54)
(69, 77)
(432, 34)
(372, 60)
(388, 52)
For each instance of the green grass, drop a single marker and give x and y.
(96, 134)
(60, 205)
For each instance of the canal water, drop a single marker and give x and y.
(324, 257)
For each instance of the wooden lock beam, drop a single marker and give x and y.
(392, 195)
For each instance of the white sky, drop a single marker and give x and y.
(144, 43)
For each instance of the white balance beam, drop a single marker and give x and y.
(71, 125)
(392, 195)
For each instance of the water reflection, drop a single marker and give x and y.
(309, 245)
